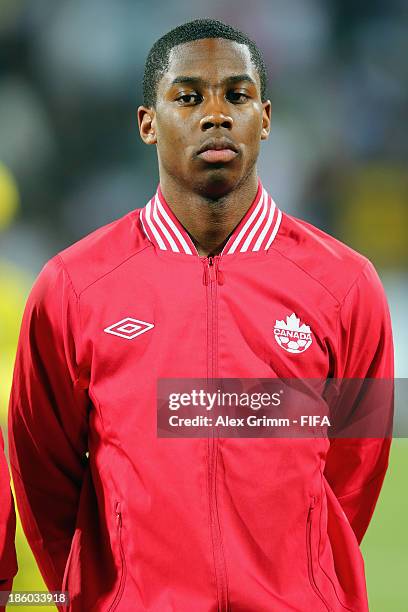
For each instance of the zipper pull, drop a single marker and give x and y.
(220, 276)
(205, 272)
(209, 270)
(212, 269)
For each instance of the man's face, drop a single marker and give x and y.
(210, 96)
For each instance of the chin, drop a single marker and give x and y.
(216, 184)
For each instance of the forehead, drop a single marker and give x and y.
(212, 59)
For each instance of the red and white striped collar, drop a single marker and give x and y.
(255, 232)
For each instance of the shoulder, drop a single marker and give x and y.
(99, 252)
(323, 258)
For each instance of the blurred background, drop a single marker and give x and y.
(71, 160)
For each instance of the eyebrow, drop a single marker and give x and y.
(235, 78)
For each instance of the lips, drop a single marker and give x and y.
(218, 155)
(218, 150)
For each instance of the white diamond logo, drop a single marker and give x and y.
(128, 328)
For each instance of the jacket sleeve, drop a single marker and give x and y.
(356, 466)
(8, 561)
(48, 420)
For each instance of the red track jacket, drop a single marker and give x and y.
(8, 561)
(128, 521)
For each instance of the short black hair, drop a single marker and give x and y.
(157, 62)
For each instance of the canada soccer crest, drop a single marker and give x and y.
(293, 336)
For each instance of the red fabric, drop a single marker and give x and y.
(163, 525)
(8, 561)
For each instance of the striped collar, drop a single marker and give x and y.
(255, 232)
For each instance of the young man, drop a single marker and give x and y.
(193, 285)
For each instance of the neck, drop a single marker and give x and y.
(209, 220)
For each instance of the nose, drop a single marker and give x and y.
(216, 117)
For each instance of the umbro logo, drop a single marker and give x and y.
(128, 328)
(293, 336)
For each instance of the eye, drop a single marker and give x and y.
(238, 96)
(186, 99)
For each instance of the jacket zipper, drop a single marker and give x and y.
(212, 277)
(121, 586)
(310, 553)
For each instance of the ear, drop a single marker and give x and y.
(266, 119)
(146, 118)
